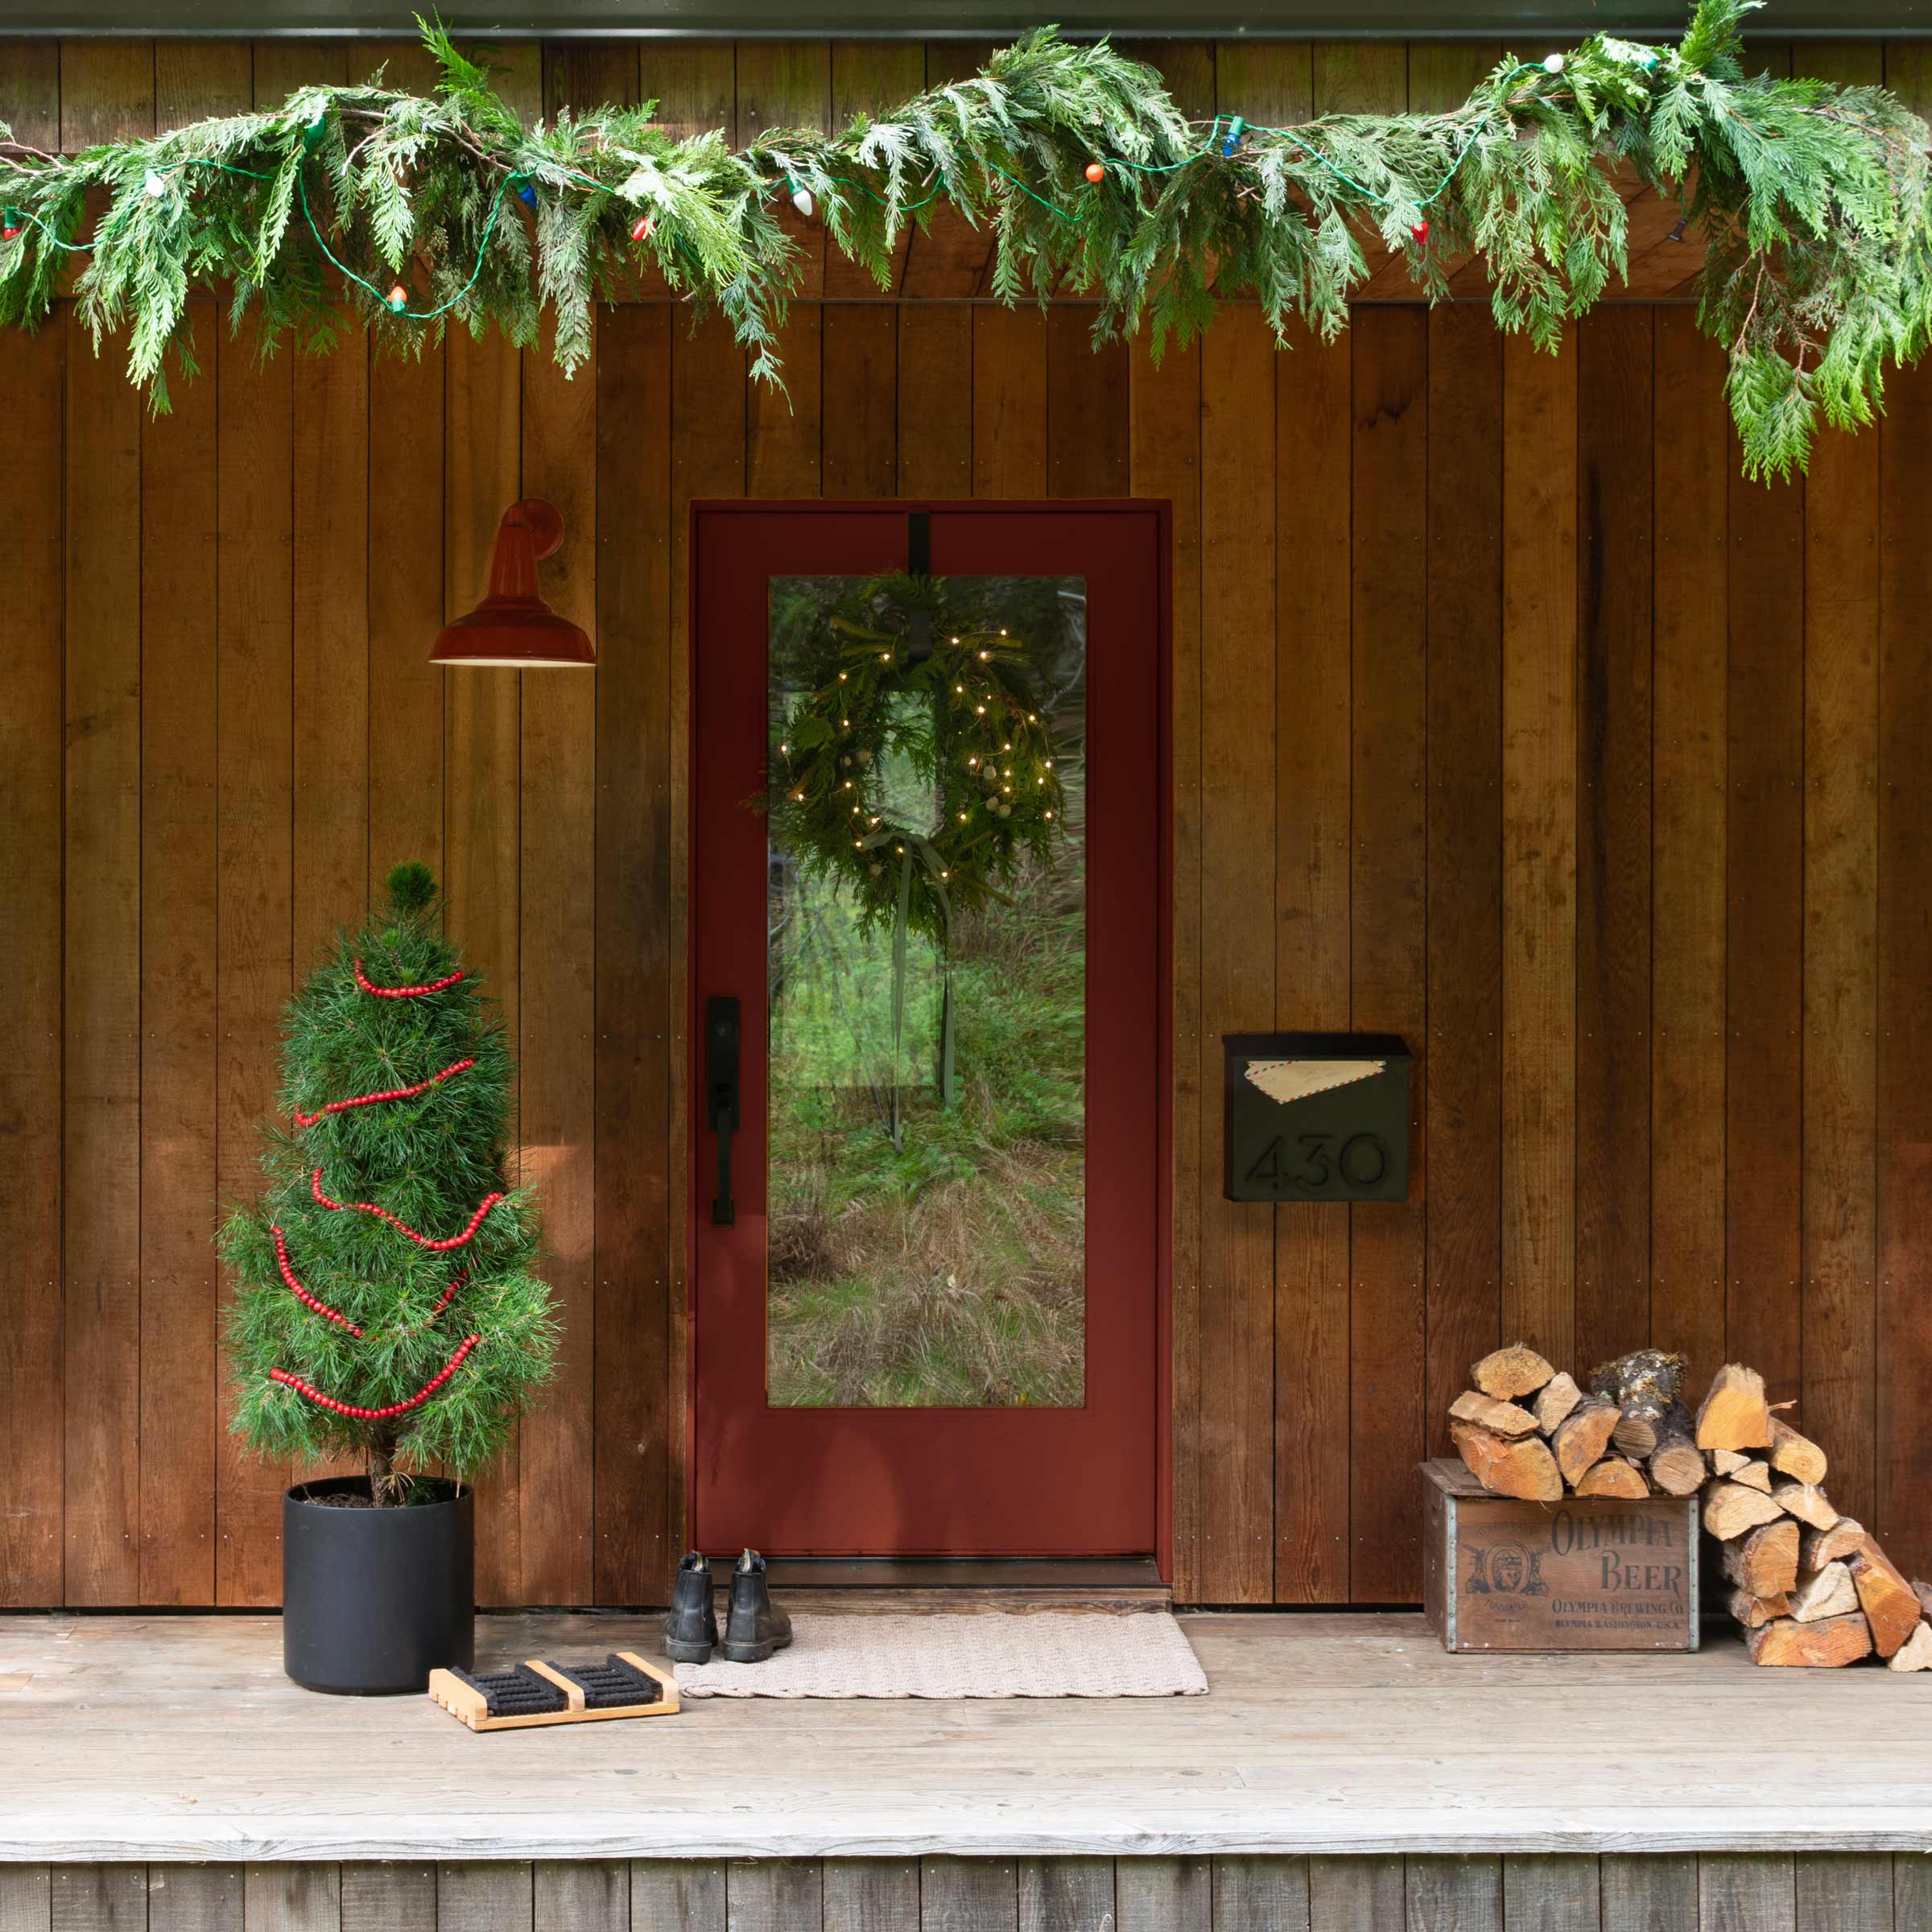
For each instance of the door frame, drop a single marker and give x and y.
(692, 1183)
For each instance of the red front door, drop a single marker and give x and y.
(929, 1321)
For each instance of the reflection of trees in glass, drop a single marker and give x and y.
(950, 1271)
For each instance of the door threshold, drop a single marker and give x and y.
(932, 1582)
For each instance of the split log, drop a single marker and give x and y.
(1915, 1653)
(1755, 1612)
(1582, 1436)
(1634, 1434)
(1524, 1469)
(1501, 1419)
(1613, 1477)
(1644, 1384)
(1753, 1475)
(1727, 1462)
(1730, 1509)
(1764, 1562)
(1826, 1646)
(1808, 1504)
(1560, 1395)
(1821, 1546)
(1677, 1464)
(1735, 1415)
(1830, 1593)
(1922, 1591)
(1890, 1603)
(1511, 1372)
(1796, 1455)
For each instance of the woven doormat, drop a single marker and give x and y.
(985, 1654)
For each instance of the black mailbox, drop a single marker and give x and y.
(1316, 1117)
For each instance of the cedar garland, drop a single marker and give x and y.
(1812, 200)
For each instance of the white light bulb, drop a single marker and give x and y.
(801, 199)
(155, 184)
(1553, 64)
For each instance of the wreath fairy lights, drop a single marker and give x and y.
(900, 678)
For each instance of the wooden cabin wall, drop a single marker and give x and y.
(1506, 717)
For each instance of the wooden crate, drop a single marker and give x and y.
(1590, 1573)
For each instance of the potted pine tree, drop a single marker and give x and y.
(386, 1313)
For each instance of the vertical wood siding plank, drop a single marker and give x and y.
(707, 458)
(29, 84)
(1648, 1892)
(199, 80)
(1388, 948)
(1844, 1892)
(1366, 77)
(292, 1898)
(775, 1895)
(388, 1898)
(331, 540)
(1613, 833)
(101, 1064)
(1235, 1501)
(1905, 970)
(1539, 847)
(1456, 1895)
(478, 1895)
(1087, 429)
(1066, 1895)
(872, 77)
(1164, 408)
(949, 257)
(404, 63)
(1553, 1894)
(481, 750)
(872, 1895)
(107, 93)
(194, 1898)
(677, 1895)
(1746, 1891)
(255, 758)
(1313, 681)
(968, 1895)
(1689, 741)
(1346, 1894)
(859, 453)
(279, 67)
(1911, 1890)
(934, 440)
(98, 1898)
(32, 737)
(1764, 980)
(582, 76)
(1465, 857)
(582, 1895)
(557, 913)
(406, 605)
(1166, 1894)
(179, 950)
(694, 84)
(1840, 1058)
(784, 84)
(1009, 404)
(635, 760)
(1259, 1894)
(25, 1900)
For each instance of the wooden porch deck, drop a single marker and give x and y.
(150, 1738)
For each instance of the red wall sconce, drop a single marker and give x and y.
(513, 626)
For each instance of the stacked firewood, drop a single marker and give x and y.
(1525, 1430)
(1808, 1586)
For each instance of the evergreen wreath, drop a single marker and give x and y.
(973, 731)
(1812, 200)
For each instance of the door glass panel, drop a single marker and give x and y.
(925, 903)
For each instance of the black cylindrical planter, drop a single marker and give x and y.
(373, 1600)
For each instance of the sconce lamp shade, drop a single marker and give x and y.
(513, 626)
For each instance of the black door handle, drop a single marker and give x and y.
(721, 1096)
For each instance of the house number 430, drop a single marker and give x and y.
(1316, 1162)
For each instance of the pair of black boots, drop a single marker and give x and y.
(754, 1625)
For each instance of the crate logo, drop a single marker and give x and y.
(1505, 1567)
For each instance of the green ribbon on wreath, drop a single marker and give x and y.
(920, 849)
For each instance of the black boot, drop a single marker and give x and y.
(755, 1626)
(690, 1624)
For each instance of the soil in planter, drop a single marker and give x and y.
(421, 1494)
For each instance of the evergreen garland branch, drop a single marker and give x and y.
(1812, 200)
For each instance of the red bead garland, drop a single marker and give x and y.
(390, 1093)
(391, 1409)
(403, 1228)
(302, 1294)
(405, 992)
